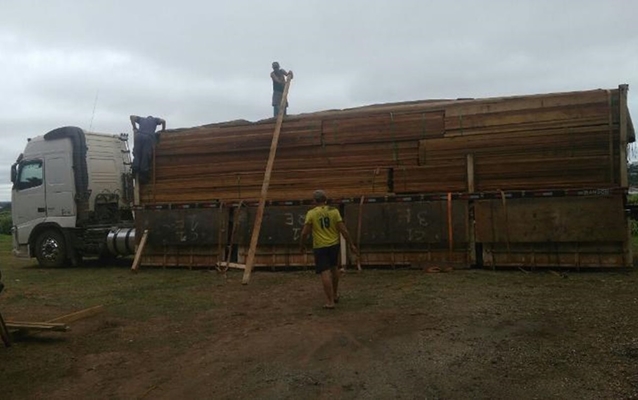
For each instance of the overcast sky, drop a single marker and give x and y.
(93, 63)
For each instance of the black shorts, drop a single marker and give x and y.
(326, 258)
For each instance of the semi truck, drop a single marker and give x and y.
(522, 181)
(72, 197)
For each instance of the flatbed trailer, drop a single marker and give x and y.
(523, 181)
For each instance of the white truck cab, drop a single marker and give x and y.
(72, 190)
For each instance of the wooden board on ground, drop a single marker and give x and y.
(37, 326)
(58, 324)
(78, 315)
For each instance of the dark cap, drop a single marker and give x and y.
(319, 195)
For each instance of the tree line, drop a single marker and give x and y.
(5, 218)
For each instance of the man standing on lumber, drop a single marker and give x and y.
(143, 143)
(278, 76)
(325, 224)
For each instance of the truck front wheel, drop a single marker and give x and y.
(50, 249)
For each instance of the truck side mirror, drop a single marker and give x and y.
(14, 173)
(14, 169)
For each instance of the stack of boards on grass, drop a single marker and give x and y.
(526, 181)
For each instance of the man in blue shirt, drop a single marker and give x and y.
(143, 144)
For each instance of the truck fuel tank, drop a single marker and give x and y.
(121, 241)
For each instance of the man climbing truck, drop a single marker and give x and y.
(143, 143)
(71, 197)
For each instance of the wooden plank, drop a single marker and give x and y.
(516, 103)
(532, 127)
(470, 189)
(610, 124)
(383, 127)
(470, 173)
(623, 142)
(285, 185)
(596, 113)
(622, 89)
(78, 315)
(5, 335)
(561, 142)
(238, 140)
(136, 191)
(512, 173)
(41, 326)
(140, 250)
(430, 178)
(316, 157)
(230, 265)
(264, 189)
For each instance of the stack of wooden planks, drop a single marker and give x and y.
(572, 140)
(351, 154)
(562, 140)
(534, 142)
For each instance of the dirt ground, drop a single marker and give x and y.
(405, 334)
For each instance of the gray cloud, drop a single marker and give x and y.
(197, 62)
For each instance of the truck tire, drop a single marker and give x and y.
(50, 248)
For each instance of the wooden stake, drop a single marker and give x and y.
(221, 267)
(471, 187)
(220, 237)
(4, 333)
(359, 221)
(624, 179)
(470, 173)
(153, 172)
(610, 123)
(450, 227)
(507, 223)
(138, 253)
(622, 94)
(264, 187)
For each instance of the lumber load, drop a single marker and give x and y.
(557, 141)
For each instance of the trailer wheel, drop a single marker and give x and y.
(50, 249)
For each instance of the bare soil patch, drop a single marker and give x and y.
(169, 334)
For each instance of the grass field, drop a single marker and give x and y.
(168, 333)
(69, 289)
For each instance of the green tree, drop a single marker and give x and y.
(5, 223)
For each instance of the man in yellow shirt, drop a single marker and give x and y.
(325, 224)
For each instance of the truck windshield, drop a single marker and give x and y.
(30, 175)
